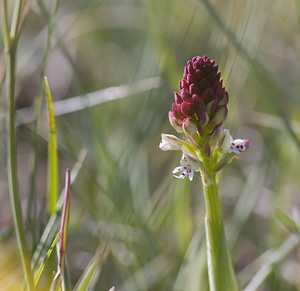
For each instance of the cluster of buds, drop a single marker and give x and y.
(199, 111)
(202, 101)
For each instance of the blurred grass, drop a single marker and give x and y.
(125, 195)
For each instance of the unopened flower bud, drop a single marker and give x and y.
(218, 118)
(175, 124)
(189, 127)
(202, 97)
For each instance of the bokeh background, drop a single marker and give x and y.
(125, 194)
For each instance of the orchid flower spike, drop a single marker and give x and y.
(198, 112)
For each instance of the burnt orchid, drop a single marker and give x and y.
(198, 113)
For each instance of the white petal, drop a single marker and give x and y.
(164, 146)
(190, 161)
(191, 175)
(225, 142)
(239, 145)
(181, 172)
(178, 170)
(170, 142)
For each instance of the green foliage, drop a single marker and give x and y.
(52, 178)
(125, 196)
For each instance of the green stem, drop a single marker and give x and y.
(11, 48)
(220, 270)
(31, 211)
(12, 171)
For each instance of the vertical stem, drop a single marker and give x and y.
(11, 48)
(220, 270)
(12, 169)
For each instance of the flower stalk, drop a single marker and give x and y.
(198, 113)
(220, 269)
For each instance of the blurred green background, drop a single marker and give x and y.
(125, 194)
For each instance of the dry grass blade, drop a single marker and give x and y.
(52, 226)
(78, 103)
(92, 271)
(61, 253)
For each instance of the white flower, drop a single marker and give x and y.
(189, 165)
(182, 172)
(170, 142)
(228, 145)
(225, 141)
(239, 145)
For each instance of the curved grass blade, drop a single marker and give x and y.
(52, 226)
(92, 270)
(274, 258)
(58, 279)
(52, 173)
(289, 222)
(41, 267)
(92, 99)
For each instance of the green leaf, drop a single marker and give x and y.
(52, 176)
(287, 221)
(41, 267)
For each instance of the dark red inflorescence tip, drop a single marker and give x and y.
(202, 97)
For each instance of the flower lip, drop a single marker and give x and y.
(182, 172)
(189, 165)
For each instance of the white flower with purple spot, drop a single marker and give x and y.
(238, 146)
(228, 145)
(189, 165)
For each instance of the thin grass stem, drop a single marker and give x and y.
(31, 211)
(11, 50)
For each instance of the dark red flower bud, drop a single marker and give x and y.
(202, 98)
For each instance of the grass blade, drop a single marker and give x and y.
(41, 267)
(79, 103)
(274, 258)
(58, 280)
(90, 271)
(52, 226)
(52, 178)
